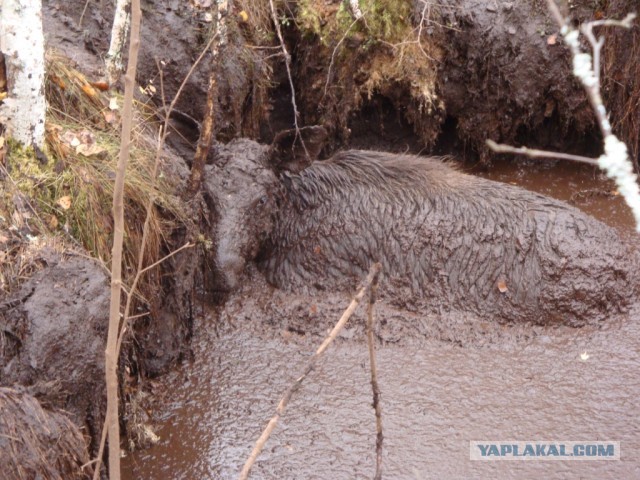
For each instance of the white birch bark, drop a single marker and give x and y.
(119, 30)
(355, 9)
(22, 43)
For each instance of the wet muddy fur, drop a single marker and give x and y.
(445, 239)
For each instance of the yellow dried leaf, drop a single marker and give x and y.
(89, 150)
(58, 81)
(109, 116)
(103, 86)
(53, 222)
(65, 202)
(89, 90)
(244, 16)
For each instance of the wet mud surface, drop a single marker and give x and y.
(446, 379)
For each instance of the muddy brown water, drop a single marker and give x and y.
(446, 379)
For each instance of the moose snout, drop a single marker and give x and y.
(230, 266)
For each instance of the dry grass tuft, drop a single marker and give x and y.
(70, 191)
(36, 443)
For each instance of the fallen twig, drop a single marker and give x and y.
(374, 378)
(532, 153)
(372, 276)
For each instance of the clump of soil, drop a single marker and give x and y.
(53, 332)
(506, 76)
(37, 443)
(458, 72)
(342, 65)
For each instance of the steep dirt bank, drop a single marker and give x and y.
(481, 71)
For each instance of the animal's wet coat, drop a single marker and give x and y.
(445, 239)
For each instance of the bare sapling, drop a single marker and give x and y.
(111, 358)
(141, 270)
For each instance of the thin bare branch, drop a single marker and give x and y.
(132, 291)
(111, 361)
(84, 10)
(626, 22)
(366, 284)
(134, 285)
(287, 64)
(333, 56)
(374, 377)
(532, 153)
(598, 43)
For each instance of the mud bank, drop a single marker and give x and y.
(53, 332)
(496, 71)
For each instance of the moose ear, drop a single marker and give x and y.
(294, 150)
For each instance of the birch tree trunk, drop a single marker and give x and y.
(22, 43)
(113, 60)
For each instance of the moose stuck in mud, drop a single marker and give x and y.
(445, 239)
